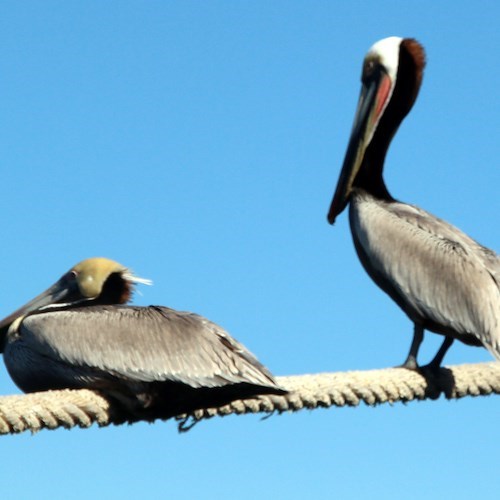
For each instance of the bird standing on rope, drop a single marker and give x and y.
(443, 280)
(156, 361)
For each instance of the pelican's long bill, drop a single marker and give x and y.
(60, 292)
(378, 84)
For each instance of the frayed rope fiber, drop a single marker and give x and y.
(83, 408)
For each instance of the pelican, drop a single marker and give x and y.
(441, 278)
(157, 362)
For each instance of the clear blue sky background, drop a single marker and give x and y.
(199, 144)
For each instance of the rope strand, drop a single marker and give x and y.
(82, 408)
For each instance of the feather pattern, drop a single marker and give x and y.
(443, 279)
(85, 346)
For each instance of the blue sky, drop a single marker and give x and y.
(199, 144)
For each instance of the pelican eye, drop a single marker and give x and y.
(70, 276)
(371, 67)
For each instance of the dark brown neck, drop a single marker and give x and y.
(116, 290)
(408, 82)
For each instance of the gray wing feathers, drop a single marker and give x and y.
(442, 273)
(145, 344)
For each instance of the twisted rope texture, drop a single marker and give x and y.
(70, 408)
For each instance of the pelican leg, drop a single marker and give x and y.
(411, 360)
(438, 358)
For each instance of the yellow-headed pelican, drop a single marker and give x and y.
(156, 361)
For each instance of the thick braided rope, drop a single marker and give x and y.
(69, 408)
